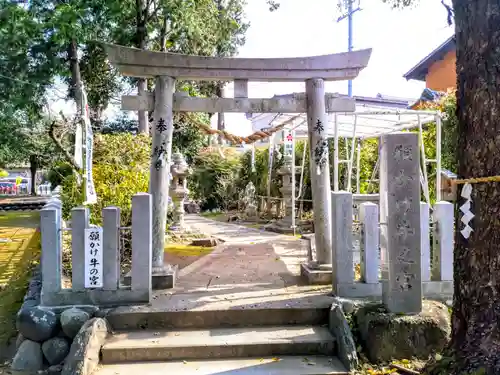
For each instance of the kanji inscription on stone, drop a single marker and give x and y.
(93, 258)
(400, 210)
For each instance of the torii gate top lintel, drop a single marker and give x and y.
(141, 63)
(168, 67)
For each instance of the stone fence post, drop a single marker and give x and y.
(142, 240)
(111, 247)
(442, 264)
(79, 222)
(425, 241)
(369, 244)
(51, 242)
(343, 267)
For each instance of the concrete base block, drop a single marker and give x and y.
(164, 278)
(431, 289)
(358, 290)
(97, 297)
(316, 275)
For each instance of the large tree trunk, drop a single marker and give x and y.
(76, 76)
(141, 34)
(220, 116)
(33, 169)
(476, 303)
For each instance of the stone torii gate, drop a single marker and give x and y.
(167, 67)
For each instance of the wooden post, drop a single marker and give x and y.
(160, 166)
(320, 171)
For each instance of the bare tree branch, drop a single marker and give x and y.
(67, 155)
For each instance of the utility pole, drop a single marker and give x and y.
(347, 9)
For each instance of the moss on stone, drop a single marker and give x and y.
(387, 336)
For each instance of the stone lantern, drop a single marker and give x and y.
(285, 225)
(178, 189)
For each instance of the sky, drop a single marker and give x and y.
(399, 40)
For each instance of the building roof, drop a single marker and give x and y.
(419, 71)
(372, 118)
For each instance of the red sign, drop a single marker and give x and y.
(289, 138)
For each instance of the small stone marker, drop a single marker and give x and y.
(400, 214)
(93, 258)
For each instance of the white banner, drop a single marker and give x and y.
(90, 194)
(288, 142)
(79, 145)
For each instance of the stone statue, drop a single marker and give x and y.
(250, 201)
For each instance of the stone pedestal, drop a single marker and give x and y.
(400, 222)
(178, 190)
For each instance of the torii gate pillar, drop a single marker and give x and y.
(163, 275)
(320, 171)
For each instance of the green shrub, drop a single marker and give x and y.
(214, 180)
(58, 173)
(120, 170)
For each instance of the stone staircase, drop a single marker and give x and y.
(282, 341)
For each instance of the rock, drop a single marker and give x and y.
(32, 294)
(205, 242)
(29, 357)
(102, 313)
(72, 320)
(339, 328)
(35, 284)
(55, 370)
(387, 336)
(348, 306)
(19, 340)
(36, 324)
(83, 357)
(55, 350)
(30, 303)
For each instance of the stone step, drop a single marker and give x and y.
(298, 365)
(129, 319)
(217, 343)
